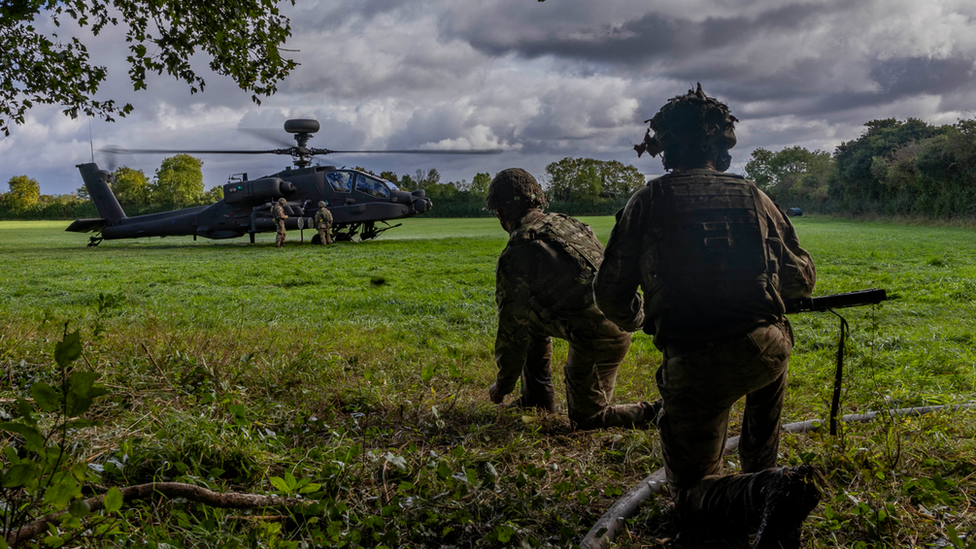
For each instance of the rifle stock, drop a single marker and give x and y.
(837, 301)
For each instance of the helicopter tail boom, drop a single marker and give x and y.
(97, 183)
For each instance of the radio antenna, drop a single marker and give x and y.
(91, 144)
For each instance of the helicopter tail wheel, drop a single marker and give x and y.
(94, 241)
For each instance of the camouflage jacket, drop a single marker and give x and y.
(544, 288)
(708, 300)
(278, 212)
(323, 218)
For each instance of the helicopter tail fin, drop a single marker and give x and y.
(97, 183)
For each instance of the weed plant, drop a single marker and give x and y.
(356, 376)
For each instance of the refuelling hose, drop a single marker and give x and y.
(615, 519)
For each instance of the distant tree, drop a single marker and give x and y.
(407, 183)
(130, 186)
(793, 173)
(619, 179)
(433, 177)
(391, 177)
(588, 178)
(441, 191)
(178, 181)
(480, 183)
(854, 183)
(214, 194)
(24, 192)
(241, 38)
(420, 178)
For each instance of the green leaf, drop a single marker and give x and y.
(310, 488)
(33, 440)
(113, 500)
(280, 484)
(60, 493)
(46, 397)
(19, 475)
(68, 349)
(79, 508)
(290, 481)
(427, 373)
(81, 383)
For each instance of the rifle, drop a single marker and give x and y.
(829, 303)
(837, 301)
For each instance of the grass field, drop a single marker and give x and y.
(362, 369)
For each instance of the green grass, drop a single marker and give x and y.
(365, 367)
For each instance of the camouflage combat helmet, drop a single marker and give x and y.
(515, 185)
(691, 130)
(321, 203)
(282, 201)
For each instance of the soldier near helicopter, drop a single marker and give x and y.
(279, 216)
(323, 223)
(543, 290)
(715, 259)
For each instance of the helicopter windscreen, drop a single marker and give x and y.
(370, 186)
(340, 181)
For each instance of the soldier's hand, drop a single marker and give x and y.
(495, 395)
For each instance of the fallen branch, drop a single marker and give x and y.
(230, 500)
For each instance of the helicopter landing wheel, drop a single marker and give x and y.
(369, 232)
(94, 241)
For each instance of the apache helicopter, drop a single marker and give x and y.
(357, 200)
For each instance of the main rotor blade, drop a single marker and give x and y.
(120, 150)
(421, 151)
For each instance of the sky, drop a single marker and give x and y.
(540, 80)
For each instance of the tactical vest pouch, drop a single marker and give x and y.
(712, 233)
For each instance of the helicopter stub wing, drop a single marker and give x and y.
(89, 225)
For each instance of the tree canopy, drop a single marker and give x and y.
(586, 178)
(24, 192)
(240, 37)
(179, 181)
(130, 186)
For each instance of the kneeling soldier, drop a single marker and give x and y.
(543, 291)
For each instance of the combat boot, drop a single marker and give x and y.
(790, 497)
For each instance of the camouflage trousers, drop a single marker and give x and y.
(699, 382)
(279, 233)
(590, 377)
(325, 234)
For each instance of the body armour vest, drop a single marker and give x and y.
(708, 272)
(565, 291)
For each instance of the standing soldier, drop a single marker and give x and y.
(278, 214)
(715, 258)
(543, 290)
(323, 222)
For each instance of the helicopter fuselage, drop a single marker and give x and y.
(357, 201)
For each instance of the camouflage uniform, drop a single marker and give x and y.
(715, 258)
(278, 214)
(543, 291)
(323, 223)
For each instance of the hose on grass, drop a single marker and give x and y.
(615, 519)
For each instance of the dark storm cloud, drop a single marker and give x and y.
(651, 38)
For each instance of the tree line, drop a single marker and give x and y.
(577, 186)
(177, 183)
(894, 168)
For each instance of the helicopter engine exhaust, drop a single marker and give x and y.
(265, 189)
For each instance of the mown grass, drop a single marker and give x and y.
(364, 367)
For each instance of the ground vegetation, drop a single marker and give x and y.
(354, 378)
